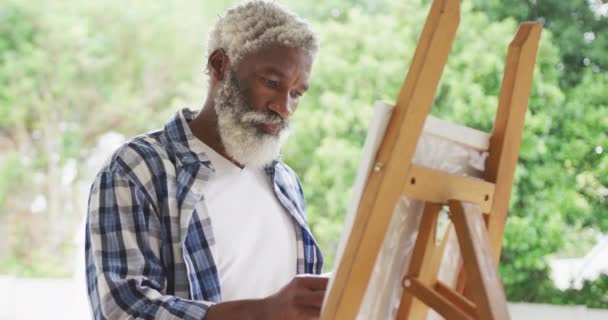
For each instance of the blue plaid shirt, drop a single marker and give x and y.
(148, 255)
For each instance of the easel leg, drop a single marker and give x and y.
(482, 274)
(411, 308)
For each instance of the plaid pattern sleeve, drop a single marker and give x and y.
(125, 233)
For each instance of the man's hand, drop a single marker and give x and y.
(301, 299)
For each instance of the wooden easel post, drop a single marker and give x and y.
(384, 187)
(507, 133)
(469, 199)
(500, 169)
(509, 125)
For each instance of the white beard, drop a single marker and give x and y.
(243, 141)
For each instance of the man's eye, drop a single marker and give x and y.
(271, 83)
(295, 94)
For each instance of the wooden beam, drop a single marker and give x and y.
(422, 255)
(457, 299)
(483, 280)
(438, 186)
(434, 300)
(508, 126)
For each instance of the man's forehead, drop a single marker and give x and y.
(279, 57)
(279, 61)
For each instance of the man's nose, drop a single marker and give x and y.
(281, 105)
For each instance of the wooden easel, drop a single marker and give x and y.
(478, 207)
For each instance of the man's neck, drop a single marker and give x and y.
(205, 128)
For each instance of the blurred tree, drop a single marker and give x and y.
(336, 10)
(70, 71)
(561, 176)
(594, 294)
(579, 32)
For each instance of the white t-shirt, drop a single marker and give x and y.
(255, 241)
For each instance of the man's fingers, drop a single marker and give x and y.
(310, 313)
(311, 282)
(309, 299)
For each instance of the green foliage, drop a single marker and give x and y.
(336, 10)
(593, 294)
(569, 21)
(69, 72)
(13, 176)
(560, 186)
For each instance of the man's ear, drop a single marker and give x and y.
(218, 64)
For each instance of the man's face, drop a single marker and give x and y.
(256, 99)
(273, 80)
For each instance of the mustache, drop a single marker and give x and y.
(255, 117)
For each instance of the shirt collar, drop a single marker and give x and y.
(188, 148)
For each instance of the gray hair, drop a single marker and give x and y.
(251, 25)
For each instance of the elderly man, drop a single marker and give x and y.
(201, 220)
